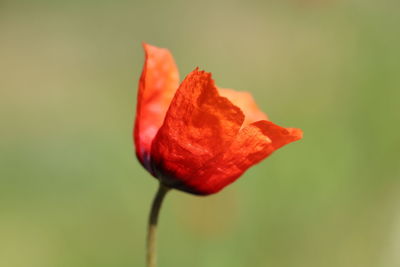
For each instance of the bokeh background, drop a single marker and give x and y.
(73, 194)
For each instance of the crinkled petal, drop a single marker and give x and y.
(246, 103)
(157, 86)
(199, 126)
(254, 143)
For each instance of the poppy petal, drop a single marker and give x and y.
(157, 86)
(246, 103)
(199, 126)
(254, 143)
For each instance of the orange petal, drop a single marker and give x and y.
(246, 103)
(199, 126)
(253, 144)
(157, 86)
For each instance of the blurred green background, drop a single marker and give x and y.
(73, 194)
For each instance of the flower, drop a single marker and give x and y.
(196, 137)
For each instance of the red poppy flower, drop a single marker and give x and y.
(196, 137)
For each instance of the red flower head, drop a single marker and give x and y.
(196, 137)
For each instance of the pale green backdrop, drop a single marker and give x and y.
(72, 193)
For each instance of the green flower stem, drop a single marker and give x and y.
(152, 227)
